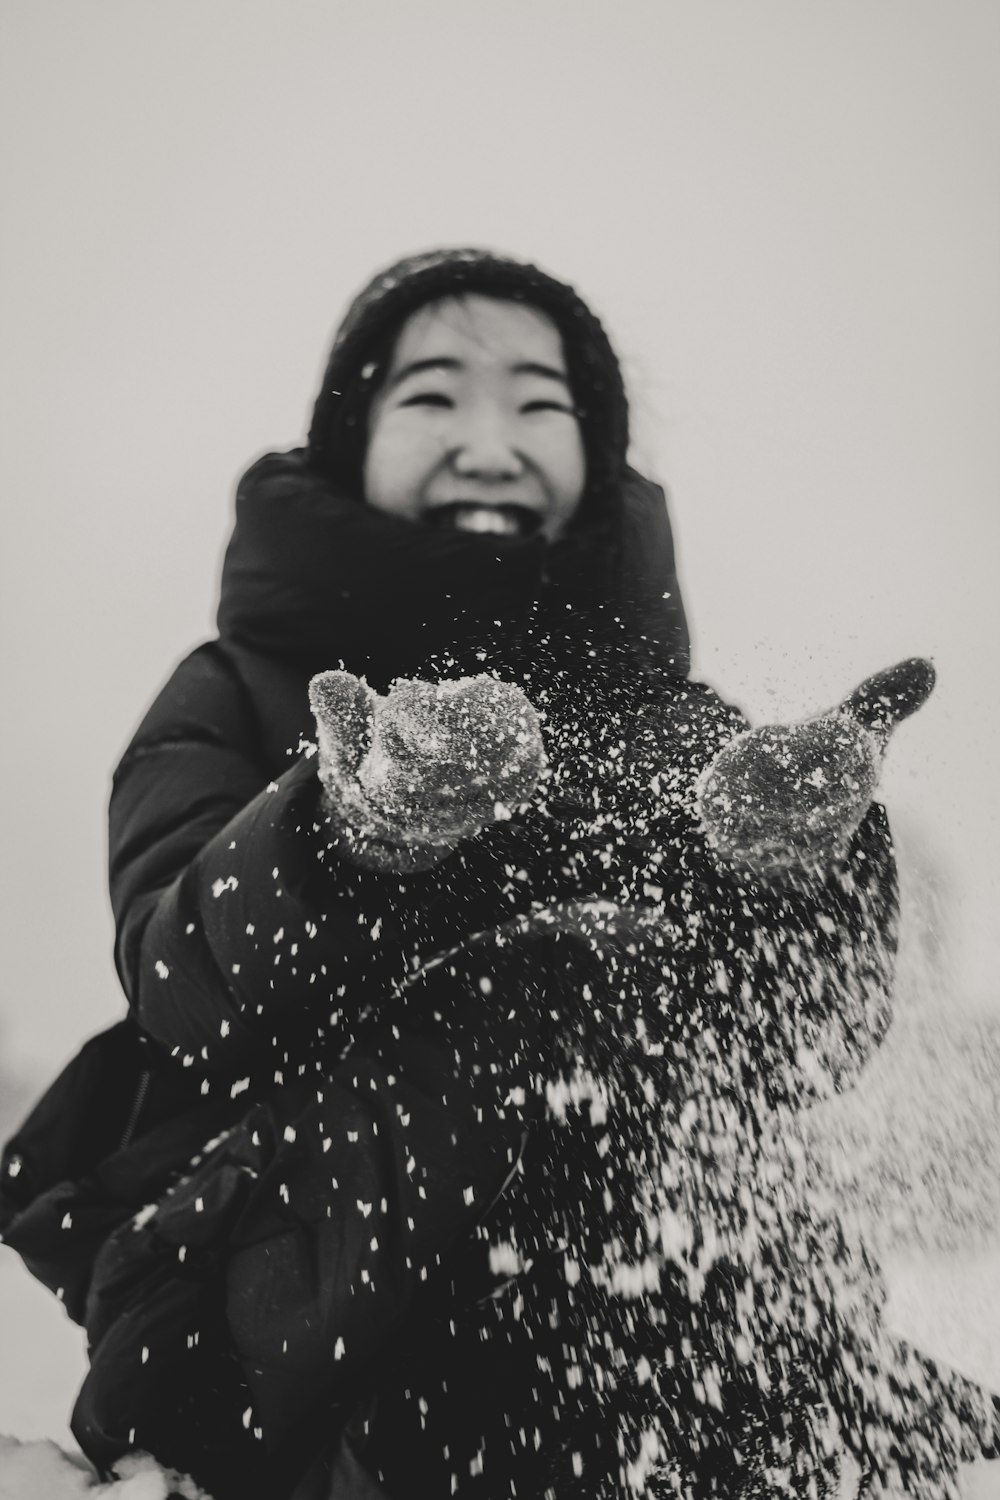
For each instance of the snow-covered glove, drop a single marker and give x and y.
(788, 798)
(407, 776)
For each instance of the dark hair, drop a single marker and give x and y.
(367, 337)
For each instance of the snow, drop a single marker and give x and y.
(917, 1147)
(43, 1469)
(947, 1301)
(950, 1305)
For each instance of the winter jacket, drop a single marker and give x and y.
(480, 1180)
(330, 1097)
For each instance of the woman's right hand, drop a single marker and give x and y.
(409, 775)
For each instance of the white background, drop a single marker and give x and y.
(788, 215)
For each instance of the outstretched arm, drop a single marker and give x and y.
(234, 923)
(256, 918)
(782, 901)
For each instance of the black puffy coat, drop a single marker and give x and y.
(312, 1129)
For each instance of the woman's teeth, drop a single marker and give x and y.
(493, 520)
(496, 522)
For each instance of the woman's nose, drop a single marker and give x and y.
(483, 449)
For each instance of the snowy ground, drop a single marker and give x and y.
(918, 1144)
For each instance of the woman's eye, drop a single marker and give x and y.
(530, 406)
(428, 398)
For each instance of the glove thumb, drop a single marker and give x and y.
(344, 709)
(888, 697)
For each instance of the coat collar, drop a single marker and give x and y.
(314, 579)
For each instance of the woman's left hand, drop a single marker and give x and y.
(789, 797)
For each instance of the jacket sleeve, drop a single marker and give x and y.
(801, 975)
(794, 978)
(267, 1285)
(222, 885)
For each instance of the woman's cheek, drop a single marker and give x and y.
(560, 454)
(402, 454)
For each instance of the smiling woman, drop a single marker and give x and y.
(442, 1150)
(454, 304)
(475, 426)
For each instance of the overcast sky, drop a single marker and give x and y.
(788, 216)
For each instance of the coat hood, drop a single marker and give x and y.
(364, 342)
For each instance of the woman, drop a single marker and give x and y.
(437, 1151)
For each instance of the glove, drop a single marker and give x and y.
(789, 797)
(407, 776)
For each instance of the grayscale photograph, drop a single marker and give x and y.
(500, 900)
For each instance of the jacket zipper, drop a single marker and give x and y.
(142, 1090)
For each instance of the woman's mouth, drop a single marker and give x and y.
(491, 520)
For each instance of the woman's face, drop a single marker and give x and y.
(474, 427)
